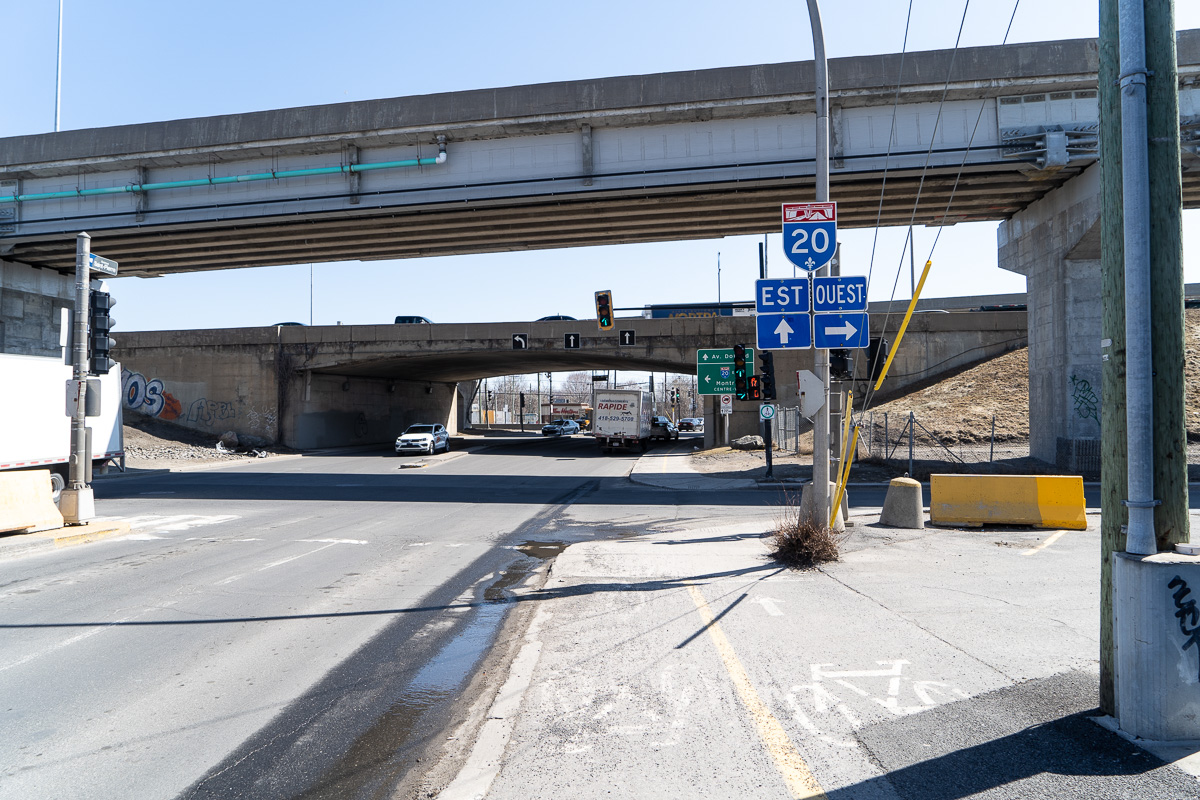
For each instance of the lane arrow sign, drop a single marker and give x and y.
(783, 330)
(845, 329)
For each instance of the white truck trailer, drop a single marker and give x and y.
(36, 431)
(621, 419)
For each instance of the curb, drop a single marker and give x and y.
(22, 544)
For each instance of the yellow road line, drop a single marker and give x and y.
(796, 774)
(1054, 538)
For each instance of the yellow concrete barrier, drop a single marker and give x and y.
(27, 501)
(1043, 501)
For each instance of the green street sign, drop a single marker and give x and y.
(714, 369)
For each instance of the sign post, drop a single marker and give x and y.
(77, 503)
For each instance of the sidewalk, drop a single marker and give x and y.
(925, 664)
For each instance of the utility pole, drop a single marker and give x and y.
(1113, 472)
(1166, 277)
(820, 494)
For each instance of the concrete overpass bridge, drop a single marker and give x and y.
(336, 385)
(632, 159)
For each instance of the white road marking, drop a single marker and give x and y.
(272, 565)
(179, 522)
(1053, 538)
(335, 541)
(768, 605)
(85, 635)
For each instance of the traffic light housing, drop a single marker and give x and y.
(741, 383)
(841, 365)
(755, 388)
(767, 383)
(877, 351)
(604, 310)
(100, 322)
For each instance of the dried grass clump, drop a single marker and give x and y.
(800, 543)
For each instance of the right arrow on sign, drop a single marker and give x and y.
(784, 331)
(845, 329)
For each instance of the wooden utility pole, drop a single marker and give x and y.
(1113, 465)
(1166, 276)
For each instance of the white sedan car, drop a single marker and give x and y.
(423, 439)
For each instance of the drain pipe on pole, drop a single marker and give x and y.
(820, 493)
(1139, 389)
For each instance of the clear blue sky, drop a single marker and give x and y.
(129, 61)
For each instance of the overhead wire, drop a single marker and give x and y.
(911, 241)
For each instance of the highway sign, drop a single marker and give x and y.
(766, 412)
(627, 338)
(571, 341)
(841, 330)
(809, 234)
(811, 390)
(726, 404)
(784, 331)
(101, 264)
(714, 369)
(520, 341)
(841, 293)
(781, 295)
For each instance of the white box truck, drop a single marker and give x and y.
(36, 433)
(621, 419)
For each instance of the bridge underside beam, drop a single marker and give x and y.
(369, 231)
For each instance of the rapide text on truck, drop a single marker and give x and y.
(622, 419)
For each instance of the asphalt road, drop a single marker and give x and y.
(287, 628)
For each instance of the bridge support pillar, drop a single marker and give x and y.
(1055, 244)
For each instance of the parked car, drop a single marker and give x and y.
(424, 438)
(412, 321)
(560, 427)
(553, 317)
(663, 428)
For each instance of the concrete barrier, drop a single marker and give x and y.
(1043, 501)
(27, 501)
(902, 506)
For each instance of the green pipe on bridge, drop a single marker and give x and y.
(131, 188)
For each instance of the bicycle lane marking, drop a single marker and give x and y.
(796, 773)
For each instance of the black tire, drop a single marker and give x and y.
(57, 484)
(447, 450)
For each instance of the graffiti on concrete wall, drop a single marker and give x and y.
(1087, 405)
(210, 411)
(1186, 612)
(148, 396)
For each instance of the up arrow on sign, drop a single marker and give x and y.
(784, 331)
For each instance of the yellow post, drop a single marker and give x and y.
(912, 304)
(837, 500)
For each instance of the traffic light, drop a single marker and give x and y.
(755, 388)
(767, 384)
(604, 310)
(841, 365)
(741, 386)
(877, 350)
(522, 399)
(100, 322)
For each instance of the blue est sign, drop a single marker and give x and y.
(781, 295)
(840, 293)
(809, 234)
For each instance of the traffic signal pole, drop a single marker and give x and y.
(820, 493)
(76, 502)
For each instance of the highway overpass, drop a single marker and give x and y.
(337, 385)
(672, 156)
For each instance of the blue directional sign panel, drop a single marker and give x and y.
(841, 330)
(781, 296)
(809, 234)
(784, 331)
(841, 293)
